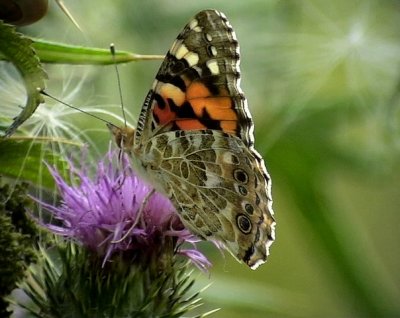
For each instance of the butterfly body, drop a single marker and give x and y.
(194, 141)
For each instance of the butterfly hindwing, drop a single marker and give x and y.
(219, 187)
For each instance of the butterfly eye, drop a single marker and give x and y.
(244, 223)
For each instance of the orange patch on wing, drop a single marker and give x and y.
(218, 107)
(190, 124)
(197, 90)
(229, 126)
(164, 115)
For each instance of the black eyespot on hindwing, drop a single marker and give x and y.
(243, 223)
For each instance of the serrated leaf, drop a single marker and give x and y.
(25, 160)
(18, 50)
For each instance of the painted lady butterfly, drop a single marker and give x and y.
(194, 141)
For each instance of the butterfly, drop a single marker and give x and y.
(194, 142)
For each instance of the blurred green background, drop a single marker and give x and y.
(322, 80)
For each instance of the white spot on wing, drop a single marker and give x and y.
(181, 51)
(192, 58)
(213, 50)
(197, 29)
(213, 67)
(175, 46)
(194, 23)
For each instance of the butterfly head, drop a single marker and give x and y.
(123, 137)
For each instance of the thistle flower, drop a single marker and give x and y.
(116, 212)
(124, 255)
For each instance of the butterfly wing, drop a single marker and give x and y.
(218, 186)
(197, 86)
(194, 141)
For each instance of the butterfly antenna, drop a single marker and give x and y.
(76, 108)
(112, 50)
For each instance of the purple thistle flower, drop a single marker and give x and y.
(109, 215)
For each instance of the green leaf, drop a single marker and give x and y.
(24, 159)
(18, 50)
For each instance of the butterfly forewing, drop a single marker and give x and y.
(197, 86)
